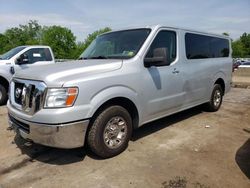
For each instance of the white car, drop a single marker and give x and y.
(245, 64)
(21, 58)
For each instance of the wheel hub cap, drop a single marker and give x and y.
(115, 132)
(217, 98)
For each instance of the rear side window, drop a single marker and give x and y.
(201, 46)
(38, 54)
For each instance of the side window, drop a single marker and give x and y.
(38, 54)
(167, 40)
(219, 47)
(197, 46)
(201, 46)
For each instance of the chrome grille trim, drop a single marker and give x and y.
(32, 98)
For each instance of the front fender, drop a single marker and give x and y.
(6, 74)
(109, 93)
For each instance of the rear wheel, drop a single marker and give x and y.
(216, 99)
(110, 132)
(3, 95)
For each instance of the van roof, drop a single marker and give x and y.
(156, 27)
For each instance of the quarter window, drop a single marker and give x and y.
(201, 46)
(167, 40)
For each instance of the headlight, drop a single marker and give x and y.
(61, 97)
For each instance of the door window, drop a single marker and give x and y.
(38, 54)
(167, 40)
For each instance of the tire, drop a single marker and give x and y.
(111, 125)
(3, 95)
(215, 100)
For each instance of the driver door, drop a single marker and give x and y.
(35, 57)
(164, 84)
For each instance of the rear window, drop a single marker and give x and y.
(201, 46)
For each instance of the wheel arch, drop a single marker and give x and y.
(4, 82)
(220, 78)
(221, 82)
(126, 103)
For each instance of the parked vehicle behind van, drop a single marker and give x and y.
(20, 58)
(245, 64)
(127, 78)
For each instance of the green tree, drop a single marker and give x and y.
(14, 37)
(245, 40)
(3, 42)
(61, 40)
(238, 49)
(226, 34)
(32, 32)
(241, 46)
(81, 46)
(22, 35)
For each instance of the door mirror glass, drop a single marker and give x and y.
(159, 58)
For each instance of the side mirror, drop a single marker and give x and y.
(159, 58)
(22, 59)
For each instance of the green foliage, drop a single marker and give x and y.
(238, 49)
(61, 40)
(225, 33)
(83, 45)
(245, 39)
(22, 35)
(241, 47)
(3, 42)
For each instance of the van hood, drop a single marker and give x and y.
(55, 75)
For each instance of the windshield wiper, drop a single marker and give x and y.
(97, 57)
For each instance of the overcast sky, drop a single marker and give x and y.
(86, 16)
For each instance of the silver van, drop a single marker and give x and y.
(124, 79)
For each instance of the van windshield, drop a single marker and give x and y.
(12, 52)
(116, 45)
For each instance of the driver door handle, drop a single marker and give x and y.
(175, 71)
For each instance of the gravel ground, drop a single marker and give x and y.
(189, 149)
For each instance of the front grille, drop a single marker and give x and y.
(27, 95)
(20, 125)
(32, 91)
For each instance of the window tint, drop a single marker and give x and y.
(38, 54)
(164, 39)
(201, 46)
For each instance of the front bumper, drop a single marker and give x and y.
(68, 135)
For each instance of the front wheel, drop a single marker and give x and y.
(110, 132)
(215, 100)
(3, 95)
